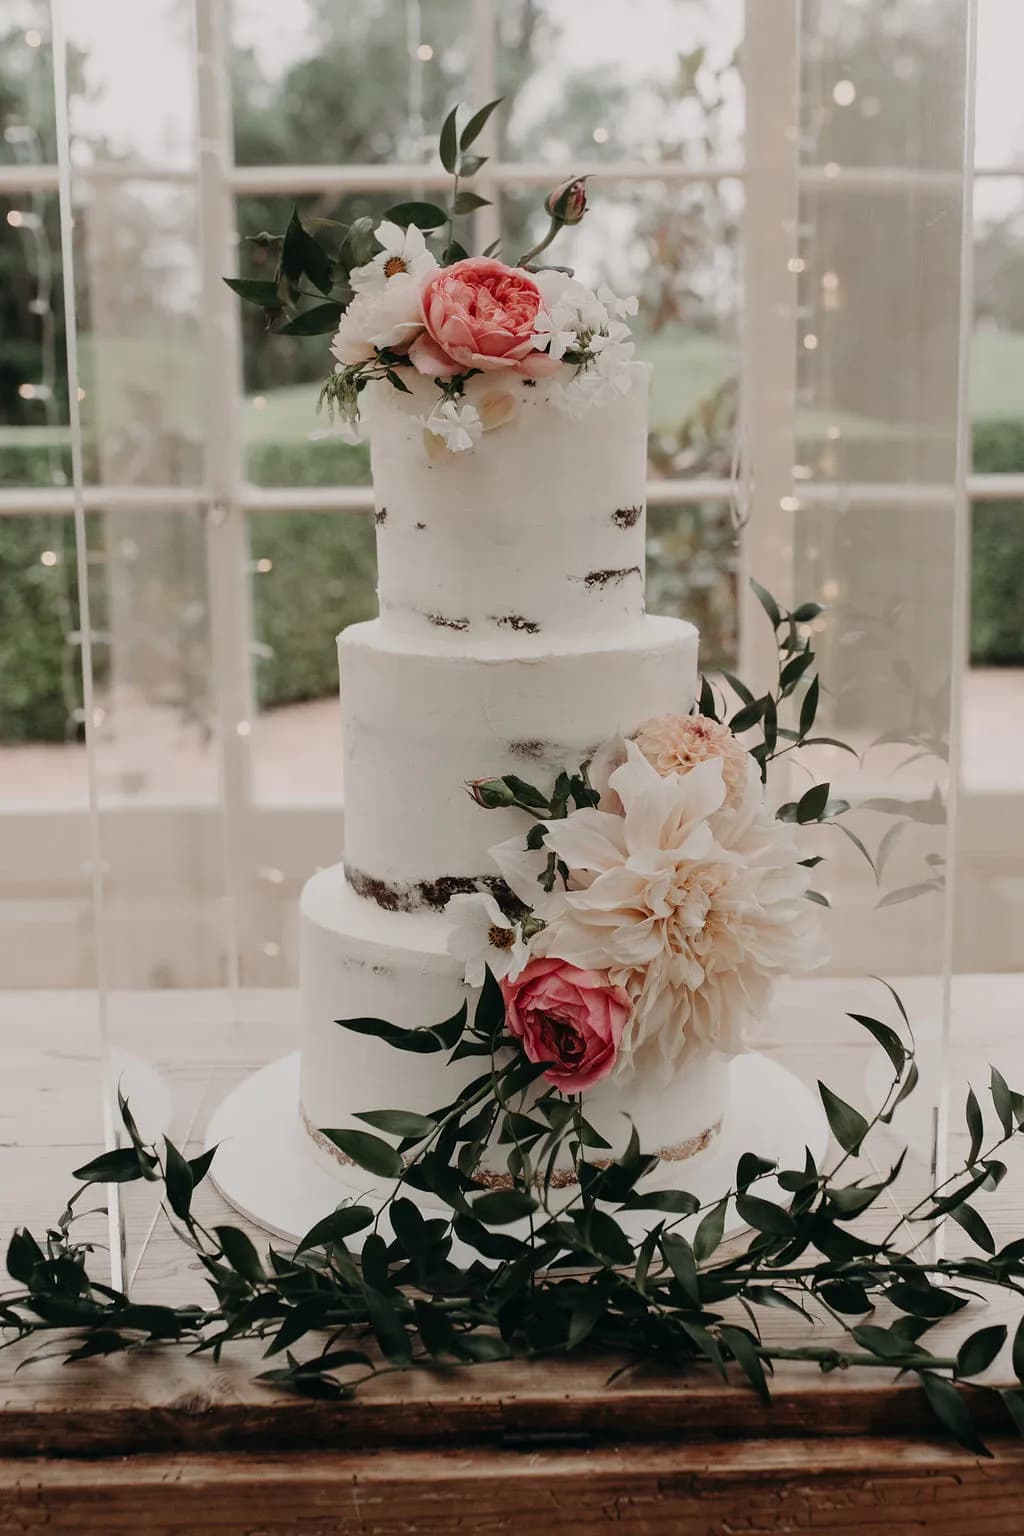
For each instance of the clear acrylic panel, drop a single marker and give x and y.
(878, 512)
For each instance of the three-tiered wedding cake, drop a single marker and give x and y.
(513, 639)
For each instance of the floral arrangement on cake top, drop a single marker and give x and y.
(474, 325)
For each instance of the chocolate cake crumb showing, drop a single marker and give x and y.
(380, 515)
(517, 622)
(445, 623)
(414, 895)
(532, 749)
(605, 578)
(627, 517)
(420, 527)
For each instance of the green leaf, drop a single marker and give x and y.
(744, 1348)
(882, 1342)
(422, 1041)
(809, 706)
(468, 166)
(975, 1225)
(1018, 1351)
(751, 1167)
(399, 1122)
(387, 1325)
(240, 1253)
(319, 320)
(489, 1017)
(810, 805)
(847, 1124)
(923, 1300)
(764, 1216)
(709, 1232)
(448, 144)
(256, 291)
(739, 688)
(887, 1038)
(845, 1296)
(806, 612)
(23, 1254)
(907, 1088)
(907, 893)
(477, 123)
(438, 1335)
(677, 1202)
(767, 602)
(680, 1258)
(603, 1234)
(706, 1343)
(482, 1347)
(200, 1165)
(588, 1305)
(121, 1166)
(500, 1206)
(425, 216)
(1003, 1101)
(335, 1228)
(178, 1181)
(302, 1319)
(468, 202)
(948, 1405)
(300, 254)
(747, 717)
(977, 1352)
(367, 1152)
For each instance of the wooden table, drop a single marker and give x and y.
(167, 1444)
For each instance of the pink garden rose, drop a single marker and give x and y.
(567, 1016)
(480, 314)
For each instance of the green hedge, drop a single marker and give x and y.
(322, 577)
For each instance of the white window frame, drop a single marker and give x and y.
(263, 850)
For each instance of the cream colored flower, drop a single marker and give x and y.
(480, 935)
(676, 743)
(388, 316)
(691, 905)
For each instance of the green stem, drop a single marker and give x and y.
(541, 245)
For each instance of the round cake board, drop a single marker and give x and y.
(268, 1167)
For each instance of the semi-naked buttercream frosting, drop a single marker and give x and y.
(512, 638)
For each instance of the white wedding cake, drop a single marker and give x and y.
(529, 790)
(512, 639)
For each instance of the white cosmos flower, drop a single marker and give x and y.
(480, 935)
(692, 907)
(404, 251)
(389, 316)
(458, 425)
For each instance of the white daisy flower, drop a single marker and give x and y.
(403, 251)
(619, 308)
(481, 935)
(458, 425)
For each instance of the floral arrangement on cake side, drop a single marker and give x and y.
(654, 900)
(479, 328)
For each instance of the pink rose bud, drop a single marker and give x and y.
(568, 203)
(492, 794)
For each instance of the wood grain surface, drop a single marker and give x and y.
(168, 1444)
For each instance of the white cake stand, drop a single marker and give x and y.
(270, 1170)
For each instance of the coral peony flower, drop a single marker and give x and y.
(571, 1017)
(676, 743)
(480, 314)
(691, 907)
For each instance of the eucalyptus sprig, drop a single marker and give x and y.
(554, 1270)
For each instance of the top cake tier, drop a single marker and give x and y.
(539, 530)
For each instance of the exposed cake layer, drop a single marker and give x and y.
(538, 530)
(359, 961)
(422, 717)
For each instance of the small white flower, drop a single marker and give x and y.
(459, 425)
(553, 329)
(403, 251)
(615, 306)
(389, 316)
(481, 935)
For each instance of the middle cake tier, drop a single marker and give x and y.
(422, 719)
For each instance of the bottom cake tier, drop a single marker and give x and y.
(358, 960)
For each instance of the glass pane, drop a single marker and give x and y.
(999, 110)
(579, 83)
(676, 249)
(876, 519)
(313, 574)
(381, 77)
(692, 565)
